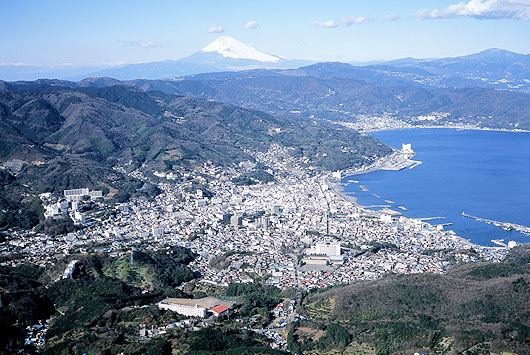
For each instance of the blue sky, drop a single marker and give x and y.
(90, 32)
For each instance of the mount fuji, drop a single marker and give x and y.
(230, 47)
(223, 54)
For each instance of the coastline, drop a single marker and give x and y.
(470, 128)
(358, 198)
(338, 189)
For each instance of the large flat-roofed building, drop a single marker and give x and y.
(187, 310)
(70, 268)
(79, 194)
(193, 307)
(236, 221)
(406, 150)
(323, 253)
(328, 249)
(157, 231)
(96, 194)
(76, 194)
(316, 260)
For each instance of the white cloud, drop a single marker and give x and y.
(391, 18)
(149, 44)
(324, 24)
(216, 29)
(348, 21)
(250, 25)
(345, 21)
(481, 9)
(142, 44)
(18, 64)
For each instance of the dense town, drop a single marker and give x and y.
(298, 232)
(301, 218)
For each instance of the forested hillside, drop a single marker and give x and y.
(475, 308)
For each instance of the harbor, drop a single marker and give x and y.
(399, 160)
(417, 192)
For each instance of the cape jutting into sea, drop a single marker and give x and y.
(482, 173)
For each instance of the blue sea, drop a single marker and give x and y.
(484, 173)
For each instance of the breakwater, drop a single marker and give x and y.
(507, 226)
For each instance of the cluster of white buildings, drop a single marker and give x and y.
(373, 123)
(69, 206)
(263, 230)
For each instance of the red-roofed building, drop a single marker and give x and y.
(219, 310)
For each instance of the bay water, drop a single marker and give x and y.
(482, 173)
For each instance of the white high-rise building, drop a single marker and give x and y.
(406, 148)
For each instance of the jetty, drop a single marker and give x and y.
(430, 218)
(499, 242)
(507, 226)
(416, 163)
(399, 164)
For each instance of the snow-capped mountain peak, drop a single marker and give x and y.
(230, 47)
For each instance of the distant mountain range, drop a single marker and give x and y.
(223, 54)
(492, 68)
(336, 92)
(333, 91)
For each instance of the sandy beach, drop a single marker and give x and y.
(338, 189)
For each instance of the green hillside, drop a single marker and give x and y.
(100, 310)
(474, 309)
